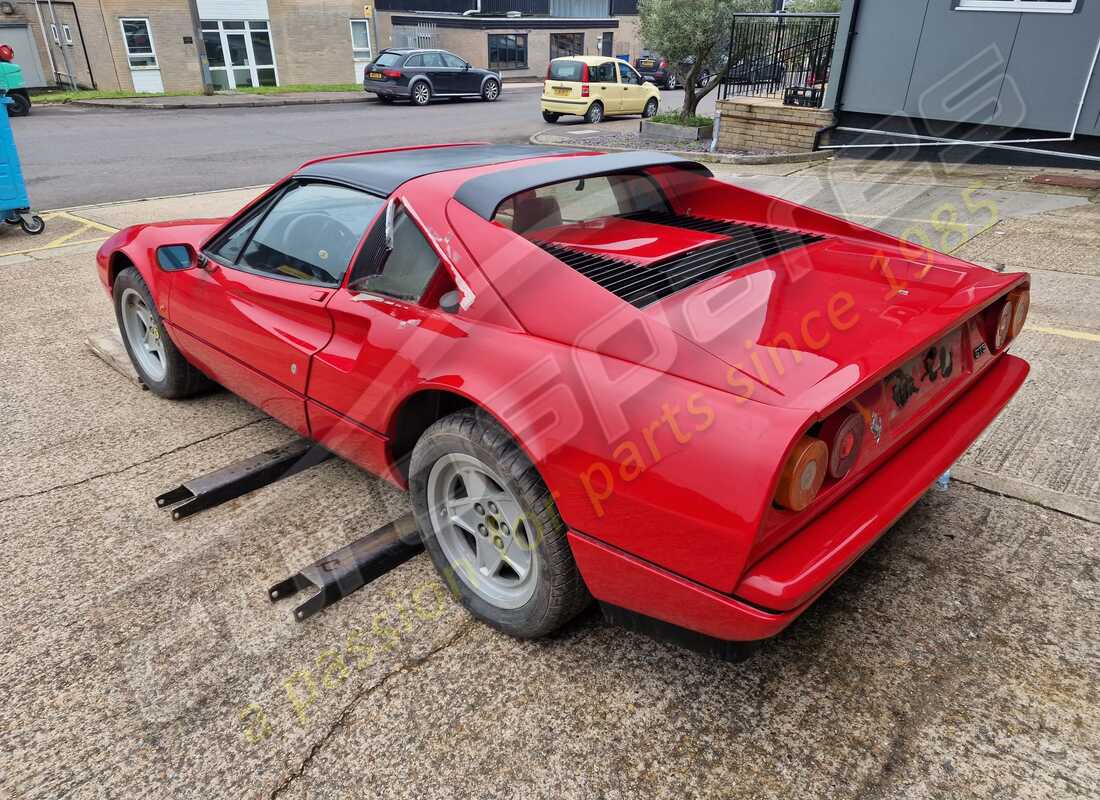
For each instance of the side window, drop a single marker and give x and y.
(309, 234)
(227, 248)
(415, 61)
(605, 73)
(628, 75)
(453, 61)
(433, 60)
(409, 266)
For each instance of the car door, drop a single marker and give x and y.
(254, 314)
(466, 80)
(381, 332)
(444, 78)
(633, 97)
(605, 81)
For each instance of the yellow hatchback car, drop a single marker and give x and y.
(595, 87)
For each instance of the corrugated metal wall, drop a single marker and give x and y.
(927, 59)
(579, 8)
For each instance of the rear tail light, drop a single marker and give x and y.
(664, 64)
(1004, 326)
(584, 75)
(392, 73)
(547, 72)
(584, 90)
(1021, 302)
(803, 474)
(843, 435)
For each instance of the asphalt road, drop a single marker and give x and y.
(74, 155)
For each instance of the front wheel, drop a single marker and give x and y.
(650, 108)
(491, 527)
(33, 225)
(550, 116)
(161, 367)
(490, 91)
(672, 83)
(421, 94)
(594, 114)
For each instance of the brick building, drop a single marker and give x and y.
(149, 45)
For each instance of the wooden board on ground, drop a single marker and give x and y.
(109, 347)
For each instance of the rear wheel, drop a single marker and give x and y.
(161, 367)
(490, 91)
(650, 108)
(421, 94)
(491, 527)
(550, 116)
(594, 114)
(20, 103)
(672, 83)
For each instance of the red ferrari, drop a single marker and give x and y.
(598, 375)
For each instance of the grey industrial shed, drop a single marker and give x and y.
(1012, 64)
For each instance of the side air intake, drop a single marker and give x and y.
(641, 285)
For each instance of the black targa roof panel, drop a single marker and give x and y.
(382, 173)
(484, 193)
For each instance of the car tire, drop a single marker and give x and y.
(550, 116)
(594, 114)
(20, 104)
(650, 109)
(471, 449)
(490, 91)
(168, 374)
(671, 83)
(420, 94)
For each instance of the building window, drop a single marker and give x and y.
(507, 51)
(1044, 6)
(67, 34)
(53, 33)
(566, 44)
(360, 39)
(139, 43)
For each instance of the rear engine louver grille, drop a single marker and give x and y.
(642, 285)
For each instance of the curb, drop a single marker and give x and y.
(176, 106)
(709, 158)
(170, 104)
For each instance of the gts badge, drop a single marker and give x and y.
(980, 351)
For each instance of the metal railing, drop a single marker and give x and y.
(785, 56)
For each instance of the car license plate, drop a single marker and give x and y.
(375, 76)
(561, 90)
(647, 63)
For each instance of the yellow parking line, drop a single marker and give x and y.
(86, 226)
(99, 226)
(1083, 335)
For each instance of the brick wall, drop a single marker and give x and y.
(753, 123)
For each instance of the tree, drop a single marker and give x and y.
(693, 35)
(812, 6)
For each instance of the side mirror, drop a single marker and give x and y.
(467, 65)
(173, 257)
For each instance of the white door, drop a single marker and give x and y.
(240, 53)
(142, 55)
(361, 51)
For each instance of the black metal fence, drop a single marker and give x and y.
(785, 56)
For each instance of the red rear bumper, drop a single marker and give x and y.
(780, 586)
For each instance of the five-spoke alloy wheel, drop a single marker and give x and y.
(492, 528)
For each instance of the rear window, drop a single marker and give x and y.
(388, 60)
(566, 70)
(579, 202)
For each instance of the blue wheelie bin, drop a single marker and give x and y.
(15, 206)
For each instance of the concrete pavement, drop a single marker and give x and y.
(958, 658)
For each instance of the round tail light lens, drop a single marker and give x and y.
(803, 474)
(1004, 324)
(843, 435)
(1021, 303)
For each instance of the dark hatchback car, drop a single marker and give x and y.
(656, 69)
(420, 75)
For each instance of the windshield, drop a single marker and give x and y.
(566, 71)
(388, 60)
